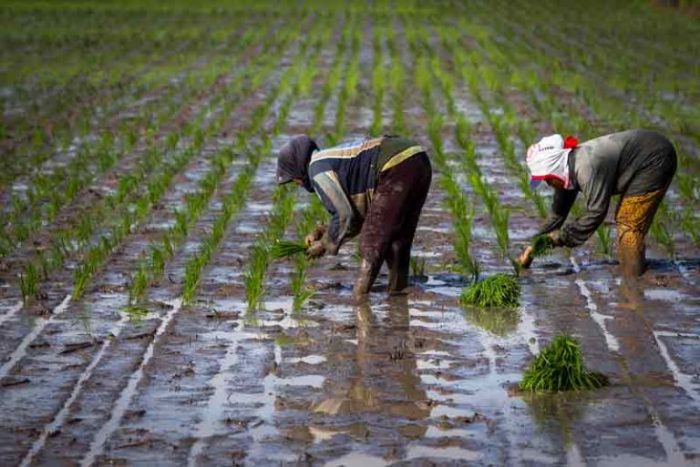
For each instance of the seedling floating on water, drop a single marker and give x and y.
(285, 248)
(500, 290)
(559, 367)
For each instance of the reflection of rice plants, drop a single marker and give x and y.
(498, 321)
(500, 291)
(559, 367)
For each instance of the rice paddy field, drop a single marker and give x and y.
(144, 320)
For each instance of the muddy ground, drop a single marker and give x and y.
(411, 379)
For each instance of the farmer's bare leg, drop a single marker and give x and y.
(634, 217)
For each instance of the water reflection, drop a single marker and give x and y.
(498, 321)
(384, 380)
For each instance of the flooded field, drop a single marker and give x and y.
(142, 321)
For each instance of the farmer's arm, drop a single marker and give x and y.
(336, 202)
(598, 186)
(562, 202)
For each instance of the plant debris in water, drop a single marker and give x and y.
(500, 290)
(559, 367)
(285, 249)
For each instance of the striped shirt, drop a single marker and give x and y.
(344, 177)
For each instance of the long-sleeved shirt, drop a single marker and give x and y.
(344, 177)
(629, 162)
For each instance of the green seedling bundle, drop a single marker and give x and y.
(285, 248)
(560, 367)
(496, 291)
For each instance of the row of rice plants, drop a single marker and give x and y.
(586, 90)
(192, 210)
(96, 108)
(51, 192)
(230, 206)
(331, 84)
(379, 77)
(159, 252)
(282, 213)
(128, 208)
(501, 71)
(425, 79)
(499, 290)
(667, 97)
(195, 203)
(348, 90)
(285, 196)
(29, 214)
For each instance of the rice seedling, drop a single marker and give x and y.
(659, 230)
(284, 249)
(29, 282)
(500, 290)
(560, 367)
(604, 239)
(541, 245)
(254, 278)
(418, 267)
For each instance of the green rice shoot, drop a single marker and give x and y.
(285, 248)
(559, 367)
(500, 290)
(542, 245)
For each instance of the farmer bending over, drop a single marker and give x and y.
(375, 187)
(637, 164)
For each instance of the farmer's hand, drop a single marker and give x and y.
(525, 258)
(316, 249)
(556, 240)
(315, 235)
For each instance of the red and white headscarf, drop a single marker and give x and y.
(549, 159)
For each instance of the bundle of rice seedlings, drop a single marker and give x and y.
(500, 290)
(559, 367)
(541, 245)
(285, 248)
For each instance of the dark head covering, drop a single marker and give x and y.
(293, 160)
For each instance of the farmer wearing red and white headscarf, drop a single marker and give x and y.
(636, 164)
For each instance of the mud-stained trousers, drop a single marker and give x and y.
(634, 216)
(391, 221)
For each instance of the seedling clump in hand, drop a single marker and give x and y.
(284, 249)
(542, 245)
(559, 367)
